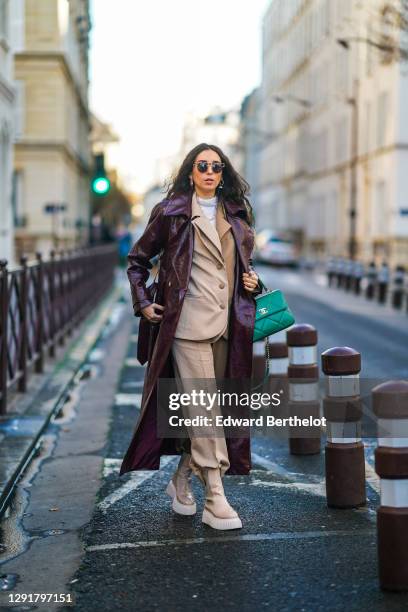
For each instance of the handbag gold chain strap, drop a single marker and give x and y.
(266, 375)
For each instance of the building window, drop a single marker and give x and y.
(4, 19)
(328, 8)
(17, 205)
(332, 227)
(3, 180)
(379, 212)
(342, 70)
(341, 139)
(369, 50)
(19, 107)
(367, 127)
(382, 112)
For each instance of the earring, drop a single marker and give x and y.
(221, 184)
(191, 181)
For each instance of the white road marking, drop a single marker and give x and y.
(135, 480)
(128, 399)
(137, 384)
(97, 354)
(111, 466)
(271, 466)
(318, 488)
(371, 477)
(248, 537)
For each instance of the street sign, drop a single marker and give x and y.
(51, 208)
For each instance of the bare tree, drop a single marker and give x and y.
(392, 35)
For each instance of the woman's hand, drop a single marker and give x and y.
(150, 313)
(250, 280)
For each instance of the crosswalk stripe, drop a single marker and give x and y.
(137, 477)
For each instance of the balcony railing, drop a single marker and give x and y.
(41, 303)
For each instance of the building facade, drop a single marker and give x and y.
(51, 196)
(6, 133)
(252, 140)
(336, 170)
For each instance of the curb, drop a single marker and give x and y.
(67, 369)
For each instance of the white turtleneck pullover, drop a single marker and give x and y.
(209, 207)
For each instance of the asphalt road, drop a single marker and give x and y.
(378, 332)
(115, 543)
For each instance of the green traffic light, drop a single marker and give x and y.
(101, 185)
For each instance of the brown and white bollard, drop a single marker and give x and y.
(383, 279)
(344, 452)
(390, 405)
(358, 273)
(330, 270)
(371, 276)
(398, 288)
(303, 383)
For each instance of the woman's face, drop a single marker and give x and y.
(205, 183)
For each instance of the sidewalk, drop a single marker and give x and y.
(29, 414)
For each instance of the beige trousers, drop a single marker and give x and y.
(194, 359)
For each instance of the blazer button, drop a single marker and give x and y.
(222, 306)
(221, 285)
(219, 266)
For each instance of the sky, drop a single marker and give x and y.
(153, 61)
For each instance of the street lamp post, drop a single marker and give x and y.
(352, 241)
(352, 244)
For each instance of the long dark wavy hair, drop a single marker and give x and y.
(235, 188)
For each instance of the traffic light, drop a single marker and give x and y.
(100, 184)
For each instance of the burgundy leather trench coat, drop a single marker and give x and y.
(171, 233)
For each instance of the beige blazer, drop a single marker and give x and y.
(205, 312)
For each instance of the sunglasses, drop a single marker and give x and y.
(202, 166)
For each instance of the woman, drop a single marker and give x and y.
(200, 322)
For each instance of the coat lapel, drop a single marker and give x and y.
(208, 232)
(221, 223)
(244, 239)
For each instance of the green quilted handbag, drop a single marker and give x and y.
(272, 313)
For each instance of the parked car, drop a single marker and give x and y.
(275, 249)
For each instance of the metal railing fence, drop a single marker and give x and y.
(41, 302)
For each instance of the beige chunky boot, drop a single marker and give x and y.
(217, 513)
(179, 488)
